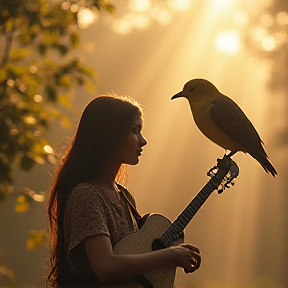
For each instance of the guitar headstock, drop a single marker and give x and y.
(226, 171)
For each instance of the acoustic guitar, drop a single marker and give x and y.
(158, 232)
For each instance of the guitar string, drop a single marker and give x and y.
(176, 228)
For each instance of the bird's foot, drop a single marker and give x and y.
(212, 171)
(233, 172)
(221, 163)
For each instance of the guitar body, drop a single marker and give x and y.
(141, 242)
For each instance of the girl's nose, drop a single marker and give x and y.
(143, 141)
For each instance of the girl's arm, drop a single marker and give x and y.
(109, 267)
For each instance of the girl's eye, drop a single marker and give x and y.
(137, 131)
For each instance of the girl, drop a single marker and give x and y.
(89, 210)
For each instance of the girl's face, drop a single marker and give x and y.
(130, 152)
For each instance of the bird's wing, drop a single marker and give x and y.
(227, 115)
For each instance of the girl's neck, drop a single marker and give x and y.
(106, 179)
(108, 184)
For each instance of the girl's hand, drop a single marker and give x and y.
(186, 256)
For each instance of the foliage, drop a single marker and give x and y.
(38, 69)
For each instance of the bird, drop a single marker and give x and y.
(222, 121)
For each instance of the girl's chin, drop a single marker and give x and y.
(133, 162)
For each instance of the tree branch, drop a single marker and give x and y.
(7, 48)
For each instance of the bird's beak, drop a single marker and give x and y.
(177, 95)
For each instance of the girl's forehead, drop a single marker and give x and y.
(138, 119)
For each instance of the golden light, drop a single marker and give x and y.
(162, 15)
(14, 98)
(258, 33)
(74, 8)
(123, 25)
(39, 160)
(241, 18)
(86, 17)
(228, 42)
(48, 149)
(37, 133)
(139, 6)
(268, 43)
(266, 20)
(282, 18)
(142, 22)
(30, 120)
(221, 5)
(14, 130)
(66, 5)
(37, 98)
(10, 82)
(33, 69)
(139, 14)
(179, 5)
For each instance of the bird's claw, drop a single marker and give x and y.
(233, 172)
(211, 172)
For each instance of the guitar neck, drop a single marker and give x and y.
(177, 227)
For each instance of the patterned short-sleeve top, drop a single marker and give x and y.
(89, 211)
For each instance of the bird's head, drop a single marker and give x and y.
(196, 89)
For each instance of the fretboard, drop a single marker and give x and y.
(177, 227)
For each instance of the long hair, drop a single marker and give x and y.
(103, 127)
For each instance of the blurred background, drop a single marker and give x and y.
(58, 55)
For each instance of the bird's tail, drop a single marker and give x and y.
(265, 163)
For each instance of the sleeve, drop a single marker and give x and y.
(85, 217)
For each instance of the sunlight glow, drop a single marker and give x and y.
(66, 5)
(86, 17)
(228, 42)
(241, 18)
(142, 22)
(123, 25)
(74, 8)
(266, 20)
(140, 14)
(268, 43)
(33, 69)
(30, 120)
(10, 82)
(221, 5)
(139, 6)
(282, 18)
(48, 149)
(37, 98)
(162, 15)
(179, 5)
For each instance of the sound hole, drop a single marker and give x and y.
(158, 244)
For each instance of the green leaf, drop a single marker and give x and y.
(36, 239)
(62, 49)
(110, 8)
(22, 204)
(26, 163)
(42, 48)
(74, 39)
(51, 93)
(65, 100)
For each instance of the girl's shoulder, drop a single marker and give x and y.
(85, 189)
